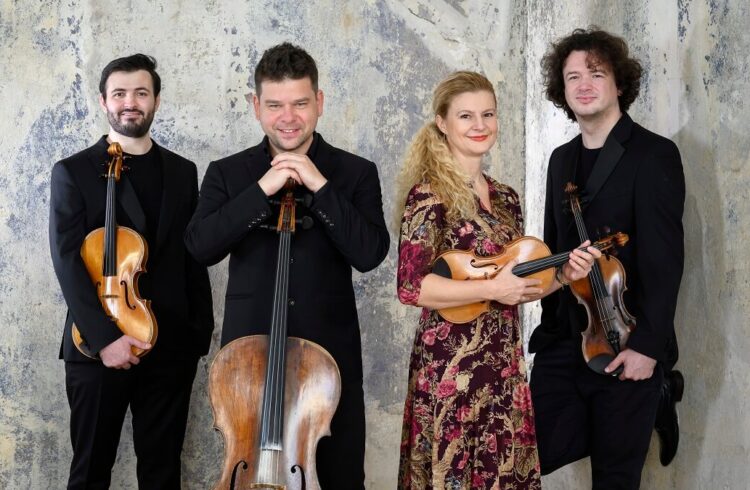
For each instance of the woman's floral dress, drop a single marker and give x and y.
(468, 420)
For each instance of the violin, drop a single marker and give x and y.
(609, 322)
(538, 264)
(273, 396)
(114, 257)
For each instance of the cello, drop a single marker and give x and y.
(538, 262)
(114, 257)
(273, 396)
(609, 322)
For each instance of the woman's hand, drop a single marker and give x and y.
(580, 262)
(509, 289)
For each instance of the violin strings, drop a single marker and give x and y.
(534, 266)
(596, 282)
(109, 231)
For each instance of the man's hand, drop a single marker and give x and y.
(580, 262)
(275, 178)
(305, 170)
(119, 355)
(636, 366)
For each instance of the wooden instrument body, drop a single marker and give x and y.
(466, 265)
(311, 395)
(119, 294)
(610, 313)
(114, 257)
(609, 322)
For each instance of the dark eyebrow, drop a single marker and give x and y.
(137, 89)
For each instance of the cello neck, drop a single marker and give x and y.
(272, 419)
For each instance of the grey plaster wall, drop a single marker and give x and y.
(379, 60)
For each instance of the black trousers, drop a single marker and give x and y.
(340, 459)
(581, 413)
(158, 393)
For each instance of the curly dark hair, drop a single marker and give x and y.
(285, 61)
(602, 47)
(130, 64)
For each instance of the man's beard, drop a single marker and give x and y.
(131, 129)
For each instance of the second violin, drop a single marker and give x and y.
(609, 322)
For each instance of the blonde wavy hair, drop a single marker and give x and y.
(429, 160)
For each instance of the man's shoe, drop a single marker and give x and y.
(667, 424)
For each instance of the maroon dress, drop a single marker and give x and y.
(468, 420)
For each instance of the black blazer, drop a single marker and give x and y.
(175, 283)
(637, 187)
(349, 231)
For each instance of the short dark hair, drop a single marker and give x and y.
(285, 61)
(130, 64)
(602, 47)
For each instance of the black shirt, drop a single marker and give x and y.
(586, 165)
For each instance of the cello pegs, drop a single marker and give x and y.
(305, 200)
(306, 222)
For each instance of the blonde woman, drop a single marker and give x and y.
(468, 420)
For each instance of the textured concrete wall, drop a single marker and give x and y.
(379, 60)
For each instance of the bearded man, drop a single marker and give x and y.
(155, 196)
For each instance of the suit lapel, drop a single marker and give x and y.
(570, 159)
(258, 162)
(608, 159)
(320, 154)
(124, 192)
(169, 201)
(128, 199)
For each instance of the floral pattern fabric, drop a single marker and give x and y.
(468, 419)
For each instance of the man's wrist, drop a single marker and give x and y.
(559, 277)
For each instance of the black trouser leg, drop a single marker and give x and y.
(160, 403)
(341, 457)
(98, 399)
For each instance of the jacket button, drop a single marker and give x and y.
(291, 301)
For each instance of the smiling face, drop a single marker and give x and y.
(288, 112)
(590, 87)
(130, 103)
(470, 124)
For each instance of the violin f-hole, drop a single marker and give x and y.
(127, 295)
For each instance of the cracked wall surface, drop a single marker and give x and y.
(379, 61)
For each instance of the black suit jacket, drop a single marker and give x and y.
(636, 187)
(348, 231)
(177, 285)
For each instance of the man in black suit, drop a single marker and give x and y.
(156, 196)
(631, 181)
(348, 231)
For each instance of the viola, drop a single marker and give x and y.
(114, 257)
(609, 322)
(273, 396)
(538, 264)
